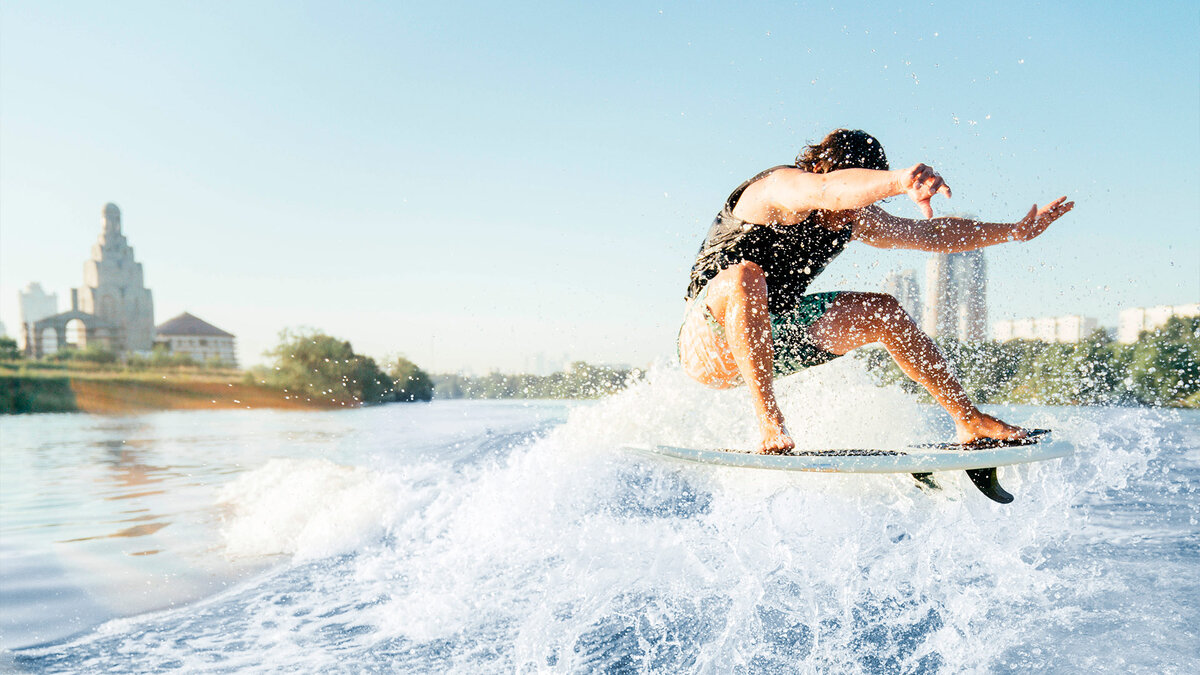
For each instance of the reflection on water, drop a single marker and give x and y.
(103, 517)
(135, 531)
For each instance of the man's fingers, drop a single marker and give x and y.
(1056, 209)
(926, 209)
(1060, 205)
(1037, 220)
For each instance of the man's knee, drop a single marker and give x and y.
(883, 307)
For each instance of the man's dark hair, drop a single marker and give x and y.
(843, 149)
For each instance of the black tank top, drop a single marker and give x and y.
(790, 255)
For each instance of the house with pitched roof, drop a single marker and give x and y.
(191, 335)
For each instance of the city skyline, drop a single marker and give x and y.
(539, 181)
(954, 302)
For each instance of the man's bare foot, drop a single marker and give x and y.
(775, 440)
(980, 425)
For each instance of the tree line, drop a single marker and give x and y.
(1162, 368)
(581, 380)
(312, 364)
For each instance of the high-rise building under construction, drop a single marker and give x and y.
(956, 285)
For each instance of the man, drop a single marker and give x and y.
(748, 319)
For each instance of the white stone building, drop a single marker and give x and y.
(204, 342)
(1131, 322)
(1066, 329)
(112, 308)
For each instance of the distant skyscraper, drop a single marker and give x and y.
(940, 296)
(957, 289)
(973, 296)
(35, 305)
(903, 286)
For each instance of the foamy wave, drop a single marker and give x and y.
(309, 508)
(836, 405)
(560, 552)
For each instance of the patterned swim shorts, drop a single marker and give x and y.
(794, 349)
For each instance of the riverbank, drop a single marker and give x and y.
(116, 393)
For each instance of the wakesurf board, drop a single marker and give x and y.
(979, 459)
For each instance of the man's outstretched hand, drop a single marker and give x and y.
(920, 182)
(1037, 220)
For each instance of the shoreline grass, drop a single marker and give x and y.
(44, 388)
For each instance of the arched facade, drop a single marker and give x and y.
(95, 331)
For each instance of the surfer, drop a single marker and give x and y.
(748, 319)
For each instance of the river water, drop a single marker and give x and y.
(468, 536)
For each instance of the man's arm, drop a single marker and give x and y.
(951, 235)
(793, 191)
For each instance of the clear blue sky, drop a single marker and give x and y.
(473, 183)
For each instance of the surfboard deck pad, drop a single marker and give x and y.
(979, 459)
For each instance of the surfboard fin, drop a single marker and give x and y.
(988, 484)
(925, 481)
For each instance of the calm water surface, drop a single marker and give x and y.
(501, 537)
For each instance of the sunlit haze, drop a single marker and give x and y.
(477, 184)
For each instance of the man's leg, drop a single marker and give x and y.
(857, 319)
(737, 298)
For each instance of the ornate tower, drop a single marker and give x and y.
(113, 288)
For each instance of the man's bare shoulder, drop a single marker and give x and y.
(768, 199)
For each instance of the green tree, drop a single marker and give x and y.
(409, 383)
(1164, 365)
(316, 365)
(8, 349)
(1161, 368)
